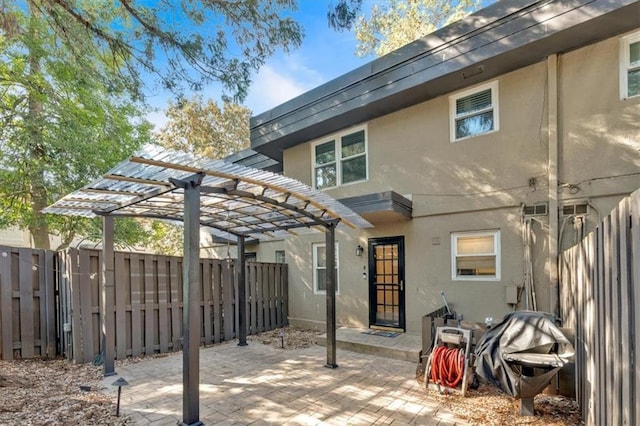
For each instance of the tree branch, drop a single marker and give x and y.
(152, 29)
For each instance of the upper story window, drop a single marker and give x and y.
(474, 112)
(340, 160)
(630, 66)
(475, 256)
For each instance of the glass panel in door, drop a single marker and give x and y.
(386, 282)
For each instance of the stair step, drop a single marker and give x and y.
(374, 345)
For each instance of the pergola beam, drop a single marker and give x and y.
(178, 219)
(136, 180)
(232, 177)
(138, 200)
(268, 200)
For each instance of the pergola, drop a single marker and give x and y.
(234, 202)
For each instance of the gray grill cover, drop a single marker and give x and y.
(522, 338)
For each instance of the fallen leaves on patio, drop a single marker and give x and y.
(47, 392)
(489, 406)
(287, 338)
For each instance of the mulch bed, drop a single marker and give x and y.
(48, 392)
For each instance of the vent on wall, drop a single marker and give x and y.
(535, 209)
(574, 209)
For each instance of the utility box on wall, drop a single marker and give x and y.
(512, 295)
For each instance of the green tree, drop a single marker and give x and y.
(72, 71)
(61, 125)
(397, 22)
(204, 128)
(182, 43)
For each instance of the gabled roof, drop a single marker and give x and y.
(505, 36)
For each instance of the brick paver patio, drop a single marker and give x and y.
(262, 385)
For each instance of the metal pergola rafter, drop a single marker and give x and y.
(234, 202)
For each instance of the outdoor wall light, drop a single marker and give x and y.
(359, 250)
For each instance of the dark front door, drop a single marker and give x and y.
(386, 282)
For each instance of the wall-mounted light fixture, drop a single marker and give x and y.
(359, 250)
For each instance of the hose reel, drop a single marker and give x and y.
(448, 363)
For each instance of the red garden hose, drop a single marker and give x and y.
(447, 366)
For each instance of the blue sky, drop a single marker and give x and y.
(324, 55)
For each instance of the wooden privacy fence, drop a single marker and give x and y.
(27, 303)
(50, 302)
(600, 299)
(148, 302)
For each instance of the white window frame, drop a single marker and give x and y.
(315, 247)
(494, 106)
(625, 65)
(336, 138)
(454, 255)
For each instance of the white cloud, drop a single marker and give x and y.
(158, 119)
(271, 87)
(282, 78)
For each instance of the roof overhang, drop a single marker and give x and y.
(251, 158)
(498, 39)
(380, 207)
(235, 201)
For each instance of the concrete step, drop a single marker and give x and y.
(404, 347)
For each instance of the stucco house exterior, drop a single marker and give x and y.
(477, 152)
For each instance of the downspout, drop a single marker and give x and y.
(552, 134)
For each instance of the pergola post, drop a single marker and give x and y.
(107, 299)
(330, 249)
(191, 302)
(242, 295)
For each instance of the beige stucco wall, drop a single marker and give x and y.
(600, 133)
(427, 270)
(479, 184)
(265, 250)
(15, 237)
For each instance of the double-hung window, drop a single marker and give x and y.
(320, 268)
(475, 255)
(630, 66)
(474, 112)
(340, 160)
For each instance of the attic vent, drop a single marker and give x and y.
(536, 210)
(573, 209)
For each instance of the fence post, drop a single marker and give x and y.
(48, 274)
(6, 304)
